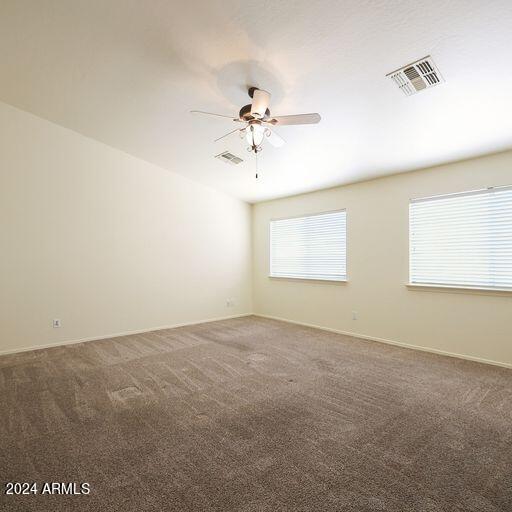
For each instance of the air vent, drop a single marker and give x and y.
(229, 158)
(417, 76)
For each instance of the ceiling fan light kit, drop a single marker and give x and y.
(254, 135)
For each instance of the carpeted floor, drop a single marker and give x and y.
(255, 415)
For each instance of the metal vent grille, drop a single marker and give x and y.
(417, 76)
(229, 158)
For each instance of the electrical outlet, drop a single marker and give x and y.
(56, 323)
(230, 303)
(354, 315)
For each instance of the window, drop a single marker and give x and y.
(462, 239)
(312, 247)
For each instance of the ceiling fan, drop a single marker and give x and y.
(258, 120)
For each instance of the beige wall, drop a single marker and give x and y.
(107, 242)
(469, 324)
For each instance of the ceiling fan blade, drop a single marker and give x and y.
(295, 119)
(212, 114)
(260, 102)
(276, 140)
(229, 133)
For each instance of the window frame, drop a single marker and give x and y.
(451, 287)
(307, 279)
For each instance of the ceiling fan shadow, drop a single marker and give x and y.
(234, 80)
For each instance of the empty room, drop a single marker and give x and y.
(255, 256)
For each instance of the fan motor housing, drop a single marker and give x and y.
(245, 113)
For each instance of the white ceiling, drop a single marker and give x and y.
(127, 72)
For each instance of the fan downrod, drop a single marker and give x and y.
(251, 90)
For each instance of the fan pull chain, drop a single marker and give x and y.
(256, 165)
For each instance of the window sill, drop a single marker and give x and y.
(459, 289)
(308, 280)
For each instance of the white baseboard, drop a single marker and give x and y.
(117, 335)
(391, 342)
(322, 328)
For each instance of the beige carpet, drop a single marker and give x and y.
(255, 415)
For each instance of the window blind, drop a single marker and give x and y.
(312, 247)
(462, 239)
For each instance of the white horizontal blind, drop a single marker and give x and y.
(312, 247)
(462, 239)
